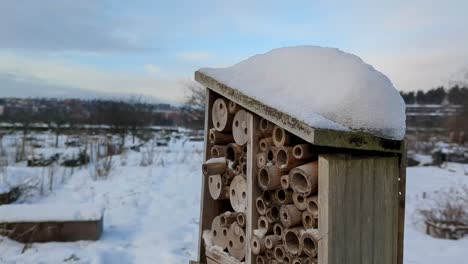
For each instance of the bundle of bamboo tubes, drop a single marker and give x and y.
(287, 229)
(226, 172)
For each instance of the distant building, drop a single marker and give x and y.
(429, 117)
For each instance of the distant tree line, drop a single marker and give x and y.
(455, 95)
(121, 116)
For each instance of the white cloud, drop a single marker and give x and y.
(68, 74)
(196, 56)
(152, 69)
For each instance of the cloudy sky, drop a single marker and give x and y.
(85, 48)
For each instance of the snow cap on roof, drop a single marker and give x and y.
(325, 88)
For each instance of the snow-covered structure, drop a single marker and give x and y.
(351, 120)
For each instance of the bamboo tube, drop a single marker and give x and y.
(290, 215)
(261, 259)
(240, 219)
(271, 241)
(233, 153)
(312, 205)
(261, 160)
(272, 213)
(304, 151)
(216, 137)
(233, 107)
(269, 178)
(222, 120)
(228, 176)
(292, 237)
(265, 143)
(270, 254)
(218, 151)
(285, 160)
(279, 253)
(309, 242)
(218, 190)
(266, 127)
(238, 194)
(287, 259)
(304, 179)
(311, 261)
(226, 219)
(299, 260)
(261, 206)
(214, 166)
(278, 230)
(284, 196)
(240, 130)
(220, 237)
(309, 221)
(299, 201)
(271, 155)
(264, 225)
(281, 137)
(257, 245)
(285, 181)
(266, 195)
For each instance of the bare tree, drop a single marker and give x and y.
(195, 100)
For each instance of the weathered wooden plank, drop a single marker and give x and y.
(209, 208)
(253, 190)
(401, 205)
(66, 231)
(358, 209)
(324, 209)
(214, 256)
(320, 137)
(352, 199)
(367, 216)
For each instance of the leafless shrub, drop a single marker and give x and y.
(124, 158)
(447, 206)
(149, 154)
(101, 160)
(103, 167)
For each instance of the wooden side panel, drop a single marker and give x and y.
(402, 203)
(252, 183)
(358, 209)
(209, 208)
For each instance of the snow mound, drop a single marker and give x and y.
(31, 213)
(324, 87)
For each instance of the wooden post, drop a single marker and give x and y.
(357, 229)
(209, 208)
(252, 182)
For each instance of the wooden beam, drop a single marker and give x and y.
(253, 190)
(358, 209)
(65, 231)
(401, 206)
(209, 208)
(320, 137)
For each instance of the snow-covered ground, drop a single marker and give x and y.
(151, 212)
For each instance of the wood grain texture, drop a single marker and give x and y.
(209, 208)
(253, 190)
(358, 209)
(401, 205)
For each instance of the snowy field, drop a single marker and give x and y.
(151, 212)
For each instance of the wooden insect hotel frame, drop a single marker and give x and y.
(276, 190)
